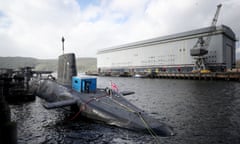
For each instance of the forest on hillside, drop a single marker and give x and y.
(83, 64)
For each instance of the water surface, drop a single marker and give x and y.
(200, 112)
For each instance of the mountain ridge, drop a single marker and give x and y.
(84, 64)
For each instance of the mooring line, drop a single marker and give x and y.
(81, 108)
(150, 130)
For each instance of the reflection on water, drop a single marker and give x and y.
(199, 111)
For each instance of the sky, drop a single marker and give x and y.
(34, 28)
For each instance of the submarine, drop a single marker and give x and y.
(104, 105)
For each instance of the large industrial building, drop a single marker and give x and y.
(171, 53)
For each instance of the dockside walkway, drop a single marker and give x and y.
(229, 76)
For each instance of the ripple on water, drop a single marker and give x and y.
(199, 111)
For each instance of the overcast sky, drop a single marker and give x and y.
(34, 28)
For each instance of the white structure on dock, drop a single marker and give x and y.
(171, 53)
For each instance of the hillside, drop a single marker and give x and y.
(83, 64)
(16, 62)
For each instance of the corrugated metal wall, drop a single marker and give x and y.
(171, 53)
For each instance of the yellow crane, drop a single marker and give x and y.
(200, 49)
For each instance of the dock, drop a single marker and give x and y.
(228, 76)
(15, 83)
(200, 76)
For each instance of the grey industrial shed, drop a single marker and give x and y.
(171, 53)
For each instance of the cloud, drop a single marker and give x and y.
(35, 28)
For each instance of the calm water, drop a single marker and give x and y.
(199, 111)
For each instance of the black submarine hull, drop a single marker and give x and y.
(102, 106)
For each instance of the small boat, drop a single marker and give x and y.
(140, 75)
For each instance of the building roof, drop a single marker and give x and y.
(175, 37)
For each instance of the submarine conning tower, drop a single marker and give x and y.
(66, 68)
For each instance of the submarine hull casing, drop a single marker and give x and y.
(110, 109)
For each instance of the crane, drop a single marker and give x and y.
(200, 49)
